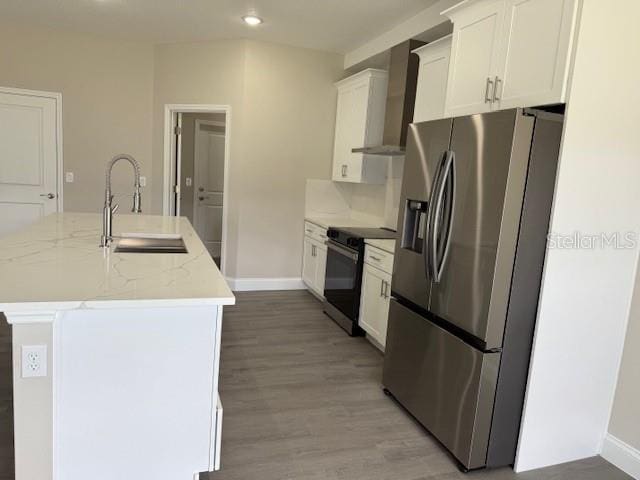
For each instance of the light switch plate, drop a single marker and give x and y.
(68, 177)
(34, 361)
(188, 181)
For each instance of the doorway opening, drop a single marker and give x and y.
(196, 171)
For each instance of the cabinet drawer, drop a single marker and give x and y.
(379, 259)
(316, 232)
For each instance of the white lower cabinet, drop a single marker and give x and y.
(308, 263)
(314, 258)
(375, 297)
(321, 268)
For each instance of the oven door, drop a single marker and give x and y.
(342, 279)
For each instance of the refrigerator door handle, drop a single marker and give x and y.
(428, 265)
(448, 172)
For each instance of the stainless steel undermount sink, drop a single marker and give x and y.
(150, 243)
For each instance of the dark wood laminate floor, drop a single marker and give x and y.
(302, 400)
(6, 402)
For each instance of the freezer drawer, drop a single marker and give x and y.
(446, 384)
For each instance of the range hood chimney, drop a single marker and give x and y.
(401, 99)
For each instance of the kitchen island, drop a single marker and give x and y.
(115, 355)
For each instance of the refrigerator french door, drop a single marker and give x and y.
(476, 200)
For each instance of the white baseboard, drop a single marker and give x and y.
(265, 284)
(622, 455)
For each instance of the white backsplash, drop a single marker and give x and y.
(375, 204)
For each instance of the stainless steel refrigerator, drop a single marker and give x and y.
(474, 216)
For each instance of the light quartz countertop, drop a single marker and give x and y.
(326, 221)
(386, 245)
(56, 264)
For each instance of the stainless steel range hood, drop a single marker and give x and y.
(401, 99)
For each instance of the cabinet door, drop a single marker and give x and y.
(309, 263)
(535, 47)
(341, 149)
(432, 81)
(474, 58)
(374, 303)
(357, 129)
(321, 268)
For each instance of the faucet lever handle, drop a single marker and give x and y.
(114, 209)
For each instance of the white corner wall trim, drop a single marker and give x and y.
(622, 455)
(265, 284)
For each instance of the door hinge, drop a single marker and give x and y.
(177, 130)
(176, 189)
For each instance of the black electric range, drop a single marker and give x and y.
(343, 278)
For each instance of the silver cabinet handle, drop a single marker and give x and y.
(487, 90)
(384, 289)
(50, 196)
(495, 89)
(373, 257)
(313, 250)
(344, 171)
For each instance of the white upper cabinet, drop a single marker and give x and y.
(474, 57)
(360, 123)
(508, 53)
(432, 80)
(535, 52)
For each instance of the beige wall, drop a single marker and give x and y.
(283, 107)
(289, 105)
(106, 91)
(281, 133)
(625, 417)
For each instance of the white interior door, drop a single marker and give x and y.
(209, 182)
(28, 159)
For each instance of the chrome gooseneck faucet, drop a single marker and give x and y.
(109, 210)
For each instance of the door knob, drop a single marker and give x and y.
(50, 196)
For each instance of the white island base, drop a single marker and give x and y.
(134, 394)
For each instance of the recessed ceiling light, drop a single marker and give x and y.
(252, 20)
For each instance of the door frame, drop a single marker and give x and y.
(57, 97)
(171, 111)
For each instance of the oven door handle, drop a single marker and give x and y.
(342, 250)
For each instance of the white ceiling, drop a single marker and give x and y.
(333, 25)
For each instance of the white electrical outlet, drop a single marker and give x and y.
(143, 181)
(188, 181)
(68, 177)
(34, 361)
